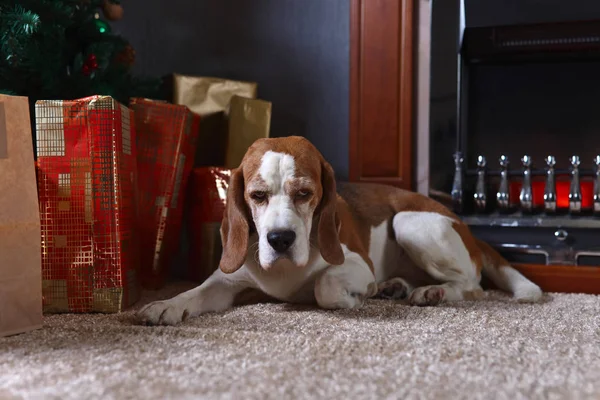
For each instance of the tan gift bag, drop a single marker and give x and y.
(249, 120)
(207, 95)
(210, 98)
(20, 237)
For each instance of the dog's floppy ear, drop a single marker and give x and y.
(235, 225)
(329, 223)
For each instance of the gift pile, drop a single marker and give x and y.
(116, 183)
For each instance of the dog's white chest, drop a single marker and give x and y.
(288, 282)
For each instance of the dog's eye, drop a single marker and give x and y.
(303, 194)
(258, 196)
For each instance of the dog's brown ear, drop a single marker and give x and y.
(235, 225)
(329, 223)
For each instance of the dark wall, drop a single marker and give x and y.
(297, 51)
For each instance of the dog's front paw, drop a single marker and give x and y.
(168, 312)
(335, 290)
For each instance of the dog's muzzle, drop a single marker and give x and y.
(281, 241)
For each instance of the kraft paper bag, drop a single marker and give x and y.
(208, 95)
(249, 120)
(20, 238)
(210, 98)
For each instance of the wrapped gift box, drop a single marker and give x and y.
(166, 145)
(206, 204)
(87, 174)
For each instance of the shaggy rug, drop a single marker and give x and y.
(490, 349)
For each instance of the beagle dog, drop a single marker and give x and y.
(288, 232)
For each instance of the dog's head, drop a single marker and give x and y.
(282, 189)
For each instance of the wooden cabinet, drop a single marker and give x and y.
(381, 91)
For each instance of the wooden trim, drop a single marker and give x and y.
(405, 94)
(563, 278)
(381, 117)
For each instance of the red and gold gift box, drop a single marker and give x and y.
(87, 172)
(206, 199)
(166, 145)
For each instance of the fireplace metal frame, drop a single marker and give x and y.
(508, 44)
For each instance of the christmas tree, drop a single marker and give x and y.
(64, 49)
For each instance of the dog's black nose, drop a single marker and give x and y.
(280, 241)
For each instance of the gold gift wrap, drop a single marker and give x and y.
(210, 97)
(249, 120)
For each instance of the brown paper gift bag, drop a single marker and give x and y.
(210, 98)
(208, 95)
(20, 237)
(249, 120)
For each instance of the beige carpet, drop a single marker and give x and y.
(492, 349)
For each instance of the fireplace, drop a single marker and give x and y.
(515, 145)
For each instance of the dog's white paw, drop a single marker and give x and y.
(344, 287)
(167, 312)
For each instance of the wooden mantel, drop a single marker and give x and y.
(381, 91)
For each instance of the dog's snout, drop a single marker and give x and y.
(280, 241)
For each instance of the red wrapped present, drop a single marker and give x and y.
(207, 190)
(166, 144)
(87, 174)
